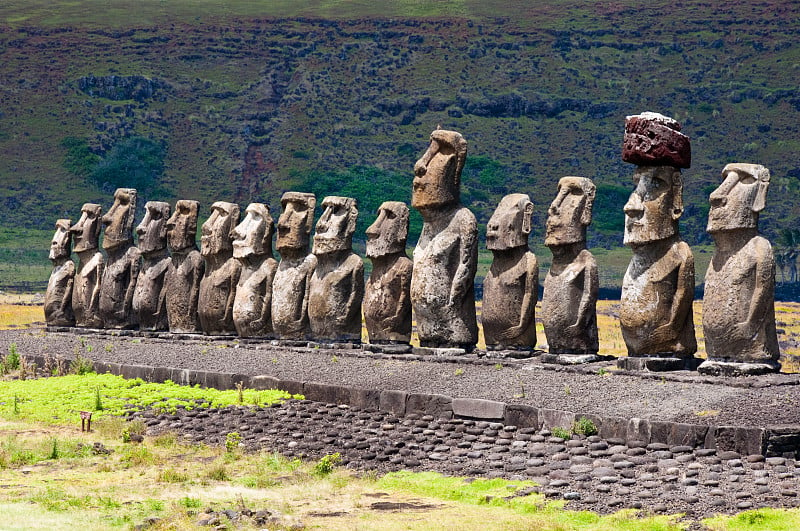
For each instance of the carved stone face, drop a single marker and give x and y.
(437, 175)
(739, 199)
(570, 212)
(86, 232)
(654, 207)
(119, 220)
(510, 225)
(182, 225)
(253, 236)
(215, 235)
(152, 230)
(336, 226)
(388, 234)
(60, 246)
(296, 221)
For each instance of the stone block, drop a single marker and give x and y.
(393, 402)
(161, 374)
(614, 428)
(136, 371)
(365, 398)
(521, 416)
(477, 408)
(219, 380)
(638, 430)
(555, 418)
(659, 431)
(264, 381)
(329, 394)
(293, 387)
(693, 435)
(183, 376)
(440, 406)
(745, 441)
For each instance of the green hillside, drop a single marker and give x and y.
(246, 100)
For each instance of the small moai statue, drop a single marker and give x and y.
(122, 263)
(186, 269)
(569, 301)
(387, 295)
(252, 246)
(446, 255)
(511, 286)
(150, 296)
(86, 288)
(658, 287)
(337, 284)
(58, 297)
(218, 285)
(739, 301)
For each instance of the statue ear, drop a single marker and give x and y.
(352, 218)
(761, 197)
(588, 205)
(527, 214)
(677, 195)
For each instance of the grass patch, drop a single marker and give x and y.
(765, 519)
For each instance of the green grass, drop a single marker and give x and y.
(765, 519)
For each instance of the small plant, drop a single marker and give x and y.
(326, 464)
(334, 359)
(109, 347)
(218, 473)
(54, 454)
(584, 426)
(240, 392)
(567, 390)
(98, 400)
(190, 503)
(16, 404)
(12, 359)
(81, 365)
(459, 371)
(561, 433)
(602, 371)
(232, 442)
(498, 366)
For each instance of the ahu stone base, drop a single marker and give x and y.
(730, 368)
(656, 364)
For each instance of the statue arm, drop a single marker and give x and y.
(591, 286)
(66, 299)
(94, 301)
(681, 303)
(135, 265)
(234, 281)
(198, 270)
(266, 303)
(405, 284)
(529, 299)
(763, 288)
(356, 296)
(467, 262)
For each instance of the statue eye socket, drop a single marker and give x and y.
(746, 179)
(390, 214)
(576, 191)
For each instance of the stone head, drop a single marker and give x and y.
(437, 174)
(654, 207)
(739, 199)
(336, 226)
(388, 234)
(182, 225)
(510, 225)
(570, 212)
(60, 246)
(253, 236)
(119, 220)
(86, 232)
(152, 230)
(216, 234)
(296, 221)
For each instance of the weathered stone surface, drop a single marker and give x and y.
(739, 302)
(86, 288)
(58, 297)
(387, 294)
(149, 297)
(252, 246)
(440, 406)
(658, 287)
(521, 416)
(446, 256)
(511, 286)
(393, 401)
(186, 269)
(570, 288)
(218, 285)
(292, 280)
(337, 284)
(478, 408)
(123, 263)
(652, 139)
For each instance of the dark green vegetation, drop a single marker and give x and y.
(244, 101)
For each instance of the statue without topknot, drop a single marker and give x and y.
(89, 273)
(186, 269)
(150, 297)
(58, 298)
(218, 286)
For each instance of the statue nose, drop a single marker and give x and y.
(634, 205)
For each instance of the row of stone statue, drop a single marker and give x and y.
(234, 286)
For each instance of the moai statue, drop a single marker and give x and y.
(570, 287)
(252, 246)
(58, 297)
(290, 288)
(446, 256)
(186, 269)
(122, 263)
(86, 288)
(337, 284)
(150, 296)
(658, 288)
(739, 302)
(511, 286)
(387, 295)
(218, 285)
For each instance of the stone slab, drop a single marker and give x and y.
(729, 368)
(477, 408)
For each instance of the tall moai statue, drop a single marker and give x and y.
(511, 286)
(658, 288)
(387, 295)
(186, 269)
(570, 288)
(122, 263)
(218, 285)
(739, 302)
(252, 246)
(150, 296)
(446, 256)
(337, 284)
(86, 288)
(290, 288)
(58, 297)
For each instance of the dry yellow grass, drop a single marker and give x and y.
(20, 316)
